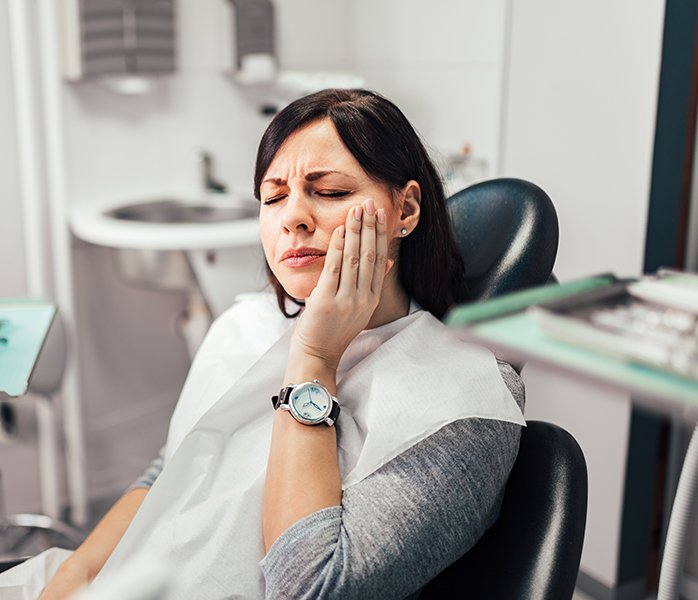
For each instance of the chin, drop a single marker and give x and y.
(299, 285)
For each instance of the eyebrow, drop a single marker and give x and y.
(313, 176)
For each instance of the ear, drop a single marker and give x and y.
(410, 198)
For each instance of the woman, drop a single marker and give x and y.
(391, 443)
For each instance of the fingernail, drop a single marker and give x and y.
(380, 215)
(370, 207)
(358, 211)
(340, 231)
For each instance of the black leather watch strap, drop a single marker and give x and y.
(335, 411)
(282, 398)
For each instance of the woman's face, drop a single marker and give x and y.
(305, 195)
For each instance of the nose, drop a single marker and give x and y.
(298, 213)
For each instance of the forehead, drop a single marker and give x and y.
(315, 147)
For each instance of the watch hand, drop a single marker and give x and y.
(310, 400)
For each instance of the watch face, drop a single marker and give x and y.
(310, 403)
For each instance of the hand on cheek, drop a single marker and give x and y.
(349, 287)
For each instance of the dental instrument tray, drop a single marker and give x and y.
(652, 321)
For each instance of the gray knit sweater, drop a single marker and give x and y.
(404, 523)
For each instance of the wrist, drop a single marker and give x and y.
(301, 353)
(302, 368)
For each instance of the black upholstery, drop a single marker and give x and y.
(534, 548)
(507, 232)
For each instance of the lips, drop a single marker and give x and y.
(300, 257)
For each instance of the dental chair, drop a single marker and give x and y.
(507, 231)
(23, 535)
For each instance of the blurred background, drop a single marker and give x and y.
(98, 110)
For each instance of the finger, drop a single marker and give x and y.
(350, 260)
(382, 264)
(367, 265)
(329, 277)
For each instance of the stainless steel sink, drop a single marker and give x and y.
(176, 211)
(156, 269)
(167, 269)
(206, 247)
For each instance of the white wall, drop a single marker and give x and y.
(12, 266)
(579, 121)
(580, 117)
(441, 63)
(315, 34)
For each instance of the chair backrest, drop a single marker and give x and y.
(507, 232)
(534, 548)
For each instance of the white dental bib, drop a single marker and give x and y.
(397, 384)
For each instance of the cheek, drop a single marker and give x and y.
(331, 216)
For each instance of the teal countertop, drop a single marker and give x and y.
(23, 328)
(505, 326)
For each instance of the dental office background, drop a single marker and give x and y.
(564, 94)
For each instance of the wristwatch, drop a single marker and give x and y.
(309, 403)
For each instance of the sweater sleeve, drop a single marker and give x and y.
(406, 522)
(148, 477)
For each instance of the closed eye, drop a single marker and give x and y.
(333, 193)
(273, 199)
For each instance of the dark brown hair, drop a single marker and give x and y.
(385, 144)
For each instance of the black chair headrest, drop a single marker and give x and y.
(507, 232)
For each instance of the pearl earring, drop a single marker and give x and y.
(404, 231)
